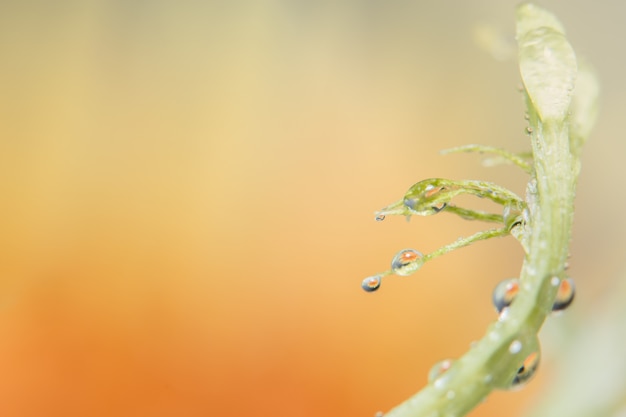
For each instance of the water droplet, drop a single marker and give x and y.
(526, 116)
(372, 283)
(380, 217)
(406, 262)
(529, 130)
(438, 369)
(526, 371)
(555, 281)
(504, 293)
(515, 347)
(424, 199)
(504, 315)
(565, 295)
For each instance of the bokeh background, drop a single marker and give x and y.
(188, 192)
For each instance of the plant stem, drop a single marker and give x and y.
(548, 69)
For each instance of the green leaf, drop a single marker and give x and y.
(547, 62)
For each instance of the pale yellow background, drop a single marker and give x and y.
(188, 192)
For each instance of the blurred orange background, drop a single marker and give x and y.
(188, 196)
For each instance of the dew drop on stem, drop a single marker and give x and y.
(371, 284)
(406, 262)
(504, 293)
(565, 294)
(438, 369)
(526, 371)
(515, 347)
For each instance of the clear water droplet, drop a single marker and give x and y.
(504, 315)
(438, 369)
(371, 284)
(526, 371)
(406, 262)
(380, 217)
(515, 347)
(423, 198)
(565, 295)
(529, 130)
(555, 281)
(504, 293)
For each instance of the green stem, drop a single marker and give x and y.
(548, 69)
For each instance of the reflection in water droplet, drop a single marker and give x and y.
(372, 283)
(439, 207)
(380, 217)
(438, 369)
(410, 202)
(504, 293)
(406, 262)
(526, 371)
(564, 295)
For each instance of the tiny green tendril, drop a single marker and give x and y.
(505, 156)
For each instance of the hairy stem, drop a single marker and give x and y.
(548, 69)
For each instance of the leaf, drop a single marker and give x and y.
(547, 62)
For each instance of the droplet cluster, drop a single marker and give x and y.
(404, 263)
(505, 292)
